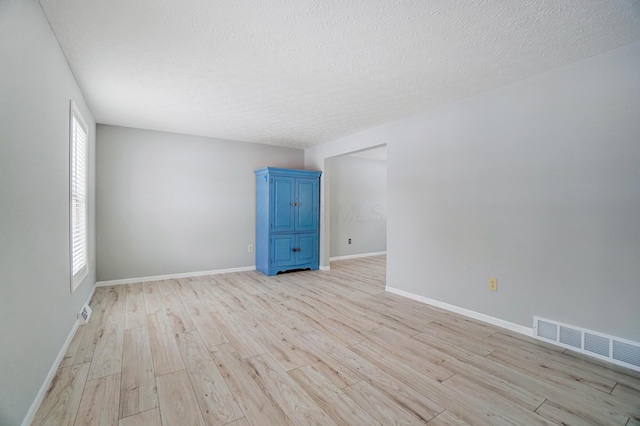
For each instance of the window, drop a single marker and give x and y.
(78, 154)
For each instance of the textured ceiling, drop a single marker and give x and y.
(299, 73)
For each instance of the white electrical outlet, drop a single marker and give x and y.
(250, 248)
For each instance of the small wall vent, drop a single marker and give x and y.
(547, 330)
(597, 344)
(570, 337)
(609, 348)
(626, 353)
(84, 314)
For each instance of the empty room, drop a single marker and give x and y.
(330, 212)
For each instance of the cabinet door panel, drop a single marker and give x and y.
(306, 213)
(282, 250)
(282, 196)
(308, 248)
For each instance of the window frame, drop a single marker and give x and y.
(83, 270)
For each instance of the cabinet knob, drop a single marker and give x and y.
(295, 250)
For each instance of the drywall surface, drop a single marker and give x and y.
(359, 205)
(37, 308)
(171, 203)
(535, 183)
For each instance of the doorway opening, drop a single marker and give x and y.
(358, 204)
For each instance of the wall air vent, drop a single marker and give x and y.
(84, 314)
(626, 353)
(547, 330)
(570, 337)
(609, 348)
(597, 344)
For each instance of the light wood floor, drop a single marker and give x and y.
(316, 348)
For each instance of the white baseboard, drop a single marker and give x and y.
(463, 311)
(357, 256)
(173, 276)
(324, 268)
(54, 369)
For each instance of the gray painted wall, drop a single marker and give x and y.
(536, 183)
(171, 203)
(358, 205)
(37, 309)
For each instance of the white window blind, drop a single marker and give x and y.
(78, 189)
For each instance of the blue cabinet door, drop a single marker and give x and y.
(306, 204)
(307, 245)
(294, 249)
(282, 204)
(282, 253)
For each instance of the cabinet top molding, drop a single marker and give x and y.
(289, 172)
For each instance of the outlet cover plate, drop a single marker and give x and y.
(493, 284)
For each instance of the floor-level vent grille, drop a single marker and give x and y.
(626, 353)
(613, 349)
(84, 314)
(570, 337)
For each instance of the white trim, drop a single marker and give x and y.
(463, 311)
(54, 369)
(172, 276)
(357, 256)
(324, 268)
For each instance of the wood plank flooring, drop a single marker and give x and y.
(324, 348)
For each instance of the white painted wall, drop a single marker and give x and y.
(171, 203)
(359, 205)
(536, 183)
(37, 310)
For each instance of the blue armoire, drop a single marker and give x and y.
(287, 219)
